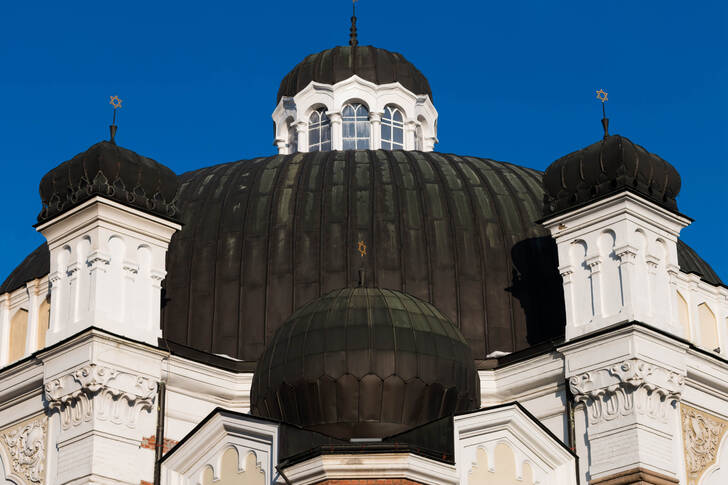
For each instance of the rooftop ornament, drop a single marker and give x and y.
(602, 96)
(353, 41)
(116, 103)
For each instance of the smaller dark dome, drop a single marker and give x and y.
(113, 172)
(340, 63)
(609, 166)
(365, 363)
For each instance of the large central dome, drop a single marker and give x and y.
(376, 65)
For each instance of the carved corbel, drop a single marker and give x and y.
(632, 386)
(101, 392)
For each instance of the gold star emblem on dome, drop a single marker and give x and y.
(362, 248)
(115, 102)
(602, 95)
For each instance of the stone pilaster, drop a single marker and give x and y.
(628, 384)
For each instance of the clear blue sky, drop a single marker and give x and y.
(512, 81)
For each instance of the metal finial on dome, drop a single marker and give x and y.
(353, 41)
(602, 96)
(116, 103)
(361, 246)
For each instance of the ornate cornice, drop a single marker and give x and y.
(26, 446)
(625, 388)
(702, 434)
(101, 392)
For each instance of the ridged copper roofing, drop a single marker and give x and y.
(111, 171)
(366, 363)
(340, 63)
(606, 167)
(263, 237)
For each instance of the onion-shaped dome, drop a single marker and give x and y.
(611, 165)
(365, 363)
(112, 172)
(376, 65)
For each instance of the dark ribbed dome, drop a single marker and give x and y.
(263, 237)
(611, 165)
(365, 363)
(340, 63)
(113, 172)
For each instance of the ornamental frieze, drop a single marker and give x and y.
(631, 386)
(25, 444)
(101, 392)
(702, 435)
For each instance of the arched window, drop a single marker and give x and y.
(356, 127)
(319, 131)
(392, 129)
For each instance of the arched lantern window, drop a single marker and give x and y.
(319, 131)
(392, 129)
(356, 128)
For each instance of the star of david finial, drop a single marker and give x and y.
(362, 248)
(114, 101)
(602, 96)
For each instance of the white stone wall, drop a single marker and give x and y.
(107, 265)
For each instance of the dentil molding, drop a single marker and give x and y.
(101, 392)
(702, 434)
(631, 386)
(26, 447)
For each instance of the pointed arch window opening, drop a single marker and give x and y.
(392, 129)
(356, 127)
(319, 131)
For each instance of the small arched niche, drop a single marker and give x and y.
(708, 328)
(18, 335)
(230, 473)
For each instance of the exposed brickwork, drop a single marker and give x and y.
(143, 482)
(150, 443)
(380, 481)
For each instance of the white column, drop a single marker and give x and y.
(428, 144)
(410, 133)
(302, 131)
(595, 265)
(282, 146)
(31, 343)
(337, 135)
(376, 133)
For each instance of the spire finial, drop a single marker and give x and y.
(602, 96)
(353, 41)
(116, 103)
(361, 246)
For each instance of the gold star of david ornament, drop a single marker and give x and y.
(362, 248)
(602, 95)
(115, 102)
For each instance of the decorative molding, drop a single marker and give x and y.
(622, 389)
(702, 435)
(636, 476)
(26, 446)
(101, 392)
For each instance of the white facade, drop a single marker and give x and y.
(292, 115)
